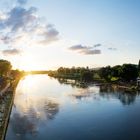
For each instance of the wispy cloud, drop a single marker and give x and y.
(11, 52)
(50, 34)
(97, 45)
(19, 25)
(86, 50)
(112, 49)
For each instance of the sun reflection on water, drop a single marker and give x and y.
(30, 100)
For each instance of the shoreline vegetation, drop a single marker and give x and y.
(122, 77)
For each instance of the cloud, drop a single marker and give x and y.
(5, 39)
(92, 52)
(22, 2)
(86, 50)
(20, 19)
(77, 47)
(21, 25)
(112, 49)
(50, 34)
(11, 52)
(97, 45)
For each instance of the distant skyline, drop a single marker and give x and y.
(43, 35)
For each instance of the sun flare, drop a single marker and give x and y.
(27, 62)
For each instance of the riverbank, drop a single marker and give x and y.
(119, 86)
(6, 102)
(126, 86)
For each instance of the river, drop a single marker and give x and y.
(49, 109)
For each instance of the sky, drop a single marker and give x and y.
(47, 34)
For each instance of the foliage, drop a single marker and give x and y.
(15, 74)
(116, 71)
(105, 73)
(129, 72)
(124, 73)
(87, 76)
(5, 67)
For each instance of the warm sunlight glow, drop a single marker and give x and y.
(28, 62)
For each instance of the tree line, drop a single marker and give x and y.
(125, 73)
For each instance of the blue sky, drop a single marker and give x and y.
(78, 26)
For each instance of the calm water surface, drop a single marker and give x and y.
(51, 109)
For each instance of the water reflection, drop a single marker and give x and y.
(110, 92)
(89, 91)
(28, 122)
(31, 108)
(52, 109)
(85, 93)
(21, 124)
(73, 83)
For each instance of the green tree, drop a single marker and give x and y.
(73, 70)
(116, 71)
(5, 67)
(87, 76)
(129, 72)
(61, 70)
(105, 73)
